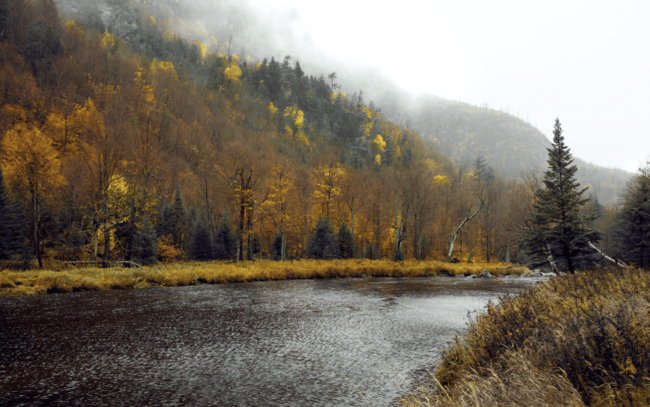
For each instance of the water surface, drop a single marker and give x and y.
(342, 342)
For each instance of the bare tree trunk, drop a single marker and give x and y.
(606, 257)
(450, 253)
(551, 260)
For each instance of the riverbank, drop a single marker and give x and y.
(573, 341)
(191, 273)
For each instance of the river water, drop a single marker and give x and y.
(341, 342)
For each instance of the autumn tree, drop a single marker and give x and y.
(102, 151)
(559, 228)
(327, 179)
(33, 166)
(281, 183)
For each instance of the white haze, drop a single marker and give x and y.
(586, 62)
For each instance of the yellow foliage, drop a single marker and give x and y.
(272, 109)
(299, 119)
(379, 141)
(163, 66)
(108, 40)
(441, 180)
(30, 159)
(301, 136)
(167, 251)
(233, 71)
(202, 48)
(378, 159)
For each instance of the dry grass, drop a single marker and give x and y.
(586, 335)
(182, 274)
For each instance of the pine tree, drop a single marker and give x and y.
(632, 224)
(144, 244)
(558, 226)
(345, 242)
(322, 243)
(276, 248)
(225, 245)
(176, 219)
(200, 244)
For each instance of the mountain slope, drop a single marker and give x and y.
(510, 145)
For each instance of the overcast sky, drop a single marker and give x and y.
(586, 62)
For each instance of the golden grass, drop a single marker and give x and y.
(586, 335)
(183, 274)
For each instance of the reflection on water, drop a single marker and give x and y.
(285, 343)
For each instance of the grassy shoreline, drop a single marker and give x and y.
(578, 340)
(191, 273)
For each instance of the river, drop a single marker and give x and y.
(339, 342)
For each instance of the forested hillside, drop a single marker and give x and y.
(511, 146)
(153, 148)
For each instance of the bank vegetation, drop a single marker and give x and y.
(579, 340)
(75, 279)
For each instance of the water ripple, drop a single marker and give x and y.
(350, 342)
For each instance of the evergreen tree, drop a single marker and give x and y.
(632, 224)
(276, 248)
(225, 245)
(13, 240)
(176, 218)
(345, 242)
(558, 227)
(322, 243)
(144, 244)
(200, 244)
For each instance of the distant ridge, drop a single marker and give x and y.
(509, 144)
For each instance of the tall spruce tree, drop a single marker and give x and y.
(559, 230)
(345, 242)
(225, 244)
(200, 243)
(632, 223)
(144, 244)
(323, 243)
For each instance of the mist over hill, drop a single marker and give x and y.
(509, 144)
(459, 130)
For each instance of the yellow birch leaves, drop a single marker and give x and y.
(295, 119)
(30, 159)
